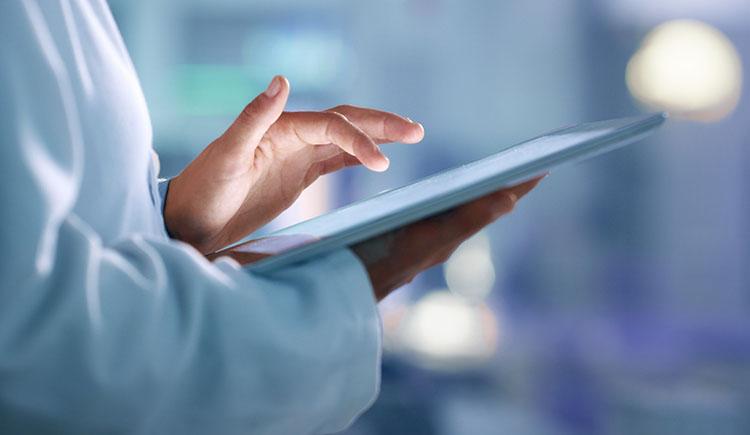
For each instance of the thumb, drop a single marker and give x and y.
(257, 117)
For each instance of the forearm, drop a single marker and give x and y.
(151, 330)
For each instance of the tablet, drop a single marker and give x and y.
(445, 190)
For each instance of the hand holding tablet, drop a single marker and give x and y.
(395, 258)
(400, 232)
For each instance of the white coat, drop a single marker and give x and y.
(106, 324)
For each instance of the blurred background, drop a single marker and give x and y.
(616, 299)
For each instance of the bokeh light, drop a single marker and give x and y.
(470, 272)
(688, 68)
(612, 316)
(446, 331)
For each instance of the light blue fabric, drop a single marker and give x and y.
(163, 188)
(107, 325)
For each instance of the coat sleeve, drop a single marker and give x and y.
(145, 335)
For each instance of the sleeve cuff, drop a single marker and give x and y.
(353, 331)
(163, 190)
(163, 186)
(363, 383)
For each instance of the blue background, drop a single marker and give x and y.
(621, 298)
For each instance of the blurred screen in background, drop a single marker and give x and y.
(616, 299)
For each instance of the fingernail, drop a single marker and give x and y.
(273, 88)
(386, 163)
(409, 119)
(382, 165)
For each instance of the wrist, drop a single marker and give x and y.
(169, 209)
(177, 212)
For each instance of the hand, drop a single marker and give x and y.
(395, 258)
(267, 157)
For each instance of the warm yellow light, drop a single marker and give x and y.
(688, 68)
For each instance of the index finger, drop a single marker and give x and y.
(382, 126)
(319, 128)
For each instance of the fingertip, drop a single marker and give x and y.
(379, 159)
(285, 85)
(387, 163)
(524, 188)
(504, 204)
(273, 88)
(417, 133)
(380, 164)
(278, 86)
(405, 130)
(376, 161)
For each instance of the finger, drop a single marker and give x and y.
(471, 217)
(318, 128)
(520, 190)
(462, 222)
(503, 201)
(382, 126)
(477, 214)
(248, 129)
(318, 153)
(333, 164)
(331, 151)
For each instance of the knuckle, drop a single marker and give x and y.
(508, 202)
(362, 143)
(487, 211)
(337, 117)
(251, 111)
(289, 116)
(337, 123)
(296, 116)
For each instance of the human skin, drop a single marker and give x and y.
(396, 257)
(267, 157)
